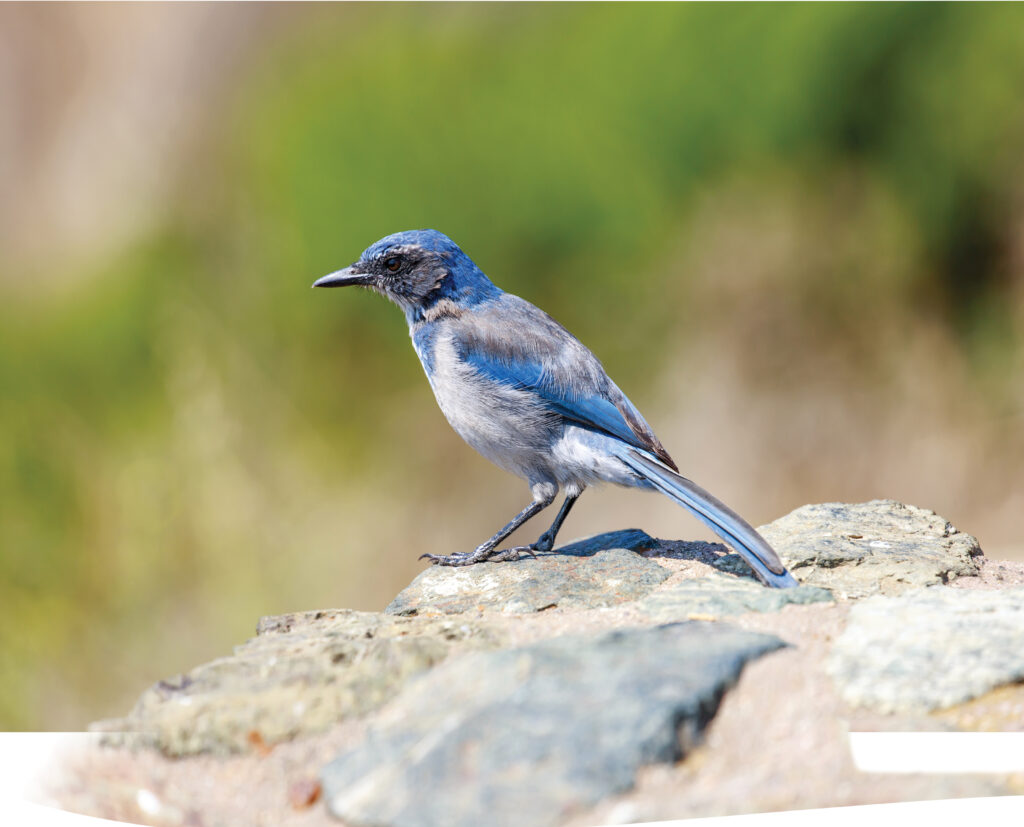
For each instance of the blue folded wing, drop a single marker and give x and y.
(588, 408)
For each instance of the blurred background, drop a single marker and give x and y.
(808, 218)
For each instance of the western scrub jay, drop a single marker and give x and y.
(529, 396)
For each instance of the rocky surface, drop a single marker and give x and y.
(930, 648)
(300, 674)
(545, 688)
(600, 571)
(877, 547)
(717, 595)
(528, 735)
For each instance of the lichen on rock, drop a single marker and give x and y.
(594, 573)
(860, 549)
(929, 648)
(300, 674)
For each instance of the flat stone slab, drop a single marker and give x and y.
(302, 673)
(860, 549)
(718, 595)
(929, 648)
(597, 572)
(529, 735)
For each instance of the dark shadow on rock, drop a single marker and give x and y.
(641, 542)
(630, 538)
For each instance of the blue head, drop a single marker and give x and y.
(416, 270)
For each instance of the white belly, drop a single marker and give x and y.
(582, 457)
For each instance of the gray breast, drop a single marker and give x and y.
(505, 424)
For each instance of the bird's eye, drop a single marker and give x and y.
(393, 264)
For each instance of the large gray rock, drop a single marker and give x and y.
(929, 648)
(600, 571)
(302, 673)
(528, 735)
(719, 595)
(860, 549)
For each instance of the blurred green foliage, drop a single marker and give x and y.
(180, 427)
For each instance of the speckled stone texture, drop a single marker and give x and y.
(301, 674)
(552, 698)
(929, 648)
(720, 595)
(529, 735)
(860, 549)
(601, 571)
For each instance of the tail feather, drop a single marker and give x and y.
(716, 515)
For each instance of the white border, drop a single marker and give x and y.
(938, 752)
(23, 756)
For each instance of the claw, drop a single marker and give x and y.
(445, 559)
(470, 558)
(511, 554)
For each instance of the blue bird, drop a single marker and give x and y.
(529, 396)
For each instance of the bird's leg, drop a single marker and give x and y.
(489, 550)
(546, 541)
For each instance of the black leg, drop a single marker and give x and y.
(546, 541)
(488, 550)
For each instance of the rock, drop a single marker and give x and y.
(718, 595)
(435, 720)
(528, 735)
(929, 648)
(878, 547)
(600, 571)
(1001, 710)
(302, 673)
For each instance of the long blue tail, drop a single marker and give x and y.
(716, 515)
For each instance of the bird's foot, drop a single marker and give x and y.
(544, 543)
(457, 559)
(514, 553)
(466, 558)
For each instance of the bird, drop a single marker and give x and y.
(529, 396)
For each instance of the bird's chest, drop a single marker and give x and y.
(498, 420)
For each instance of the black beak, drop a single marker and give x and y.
(345, 278)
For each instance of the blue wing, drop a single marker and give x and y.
(591, 411)
(551, 363)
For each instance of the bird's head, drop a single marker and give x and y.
(416, 269)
